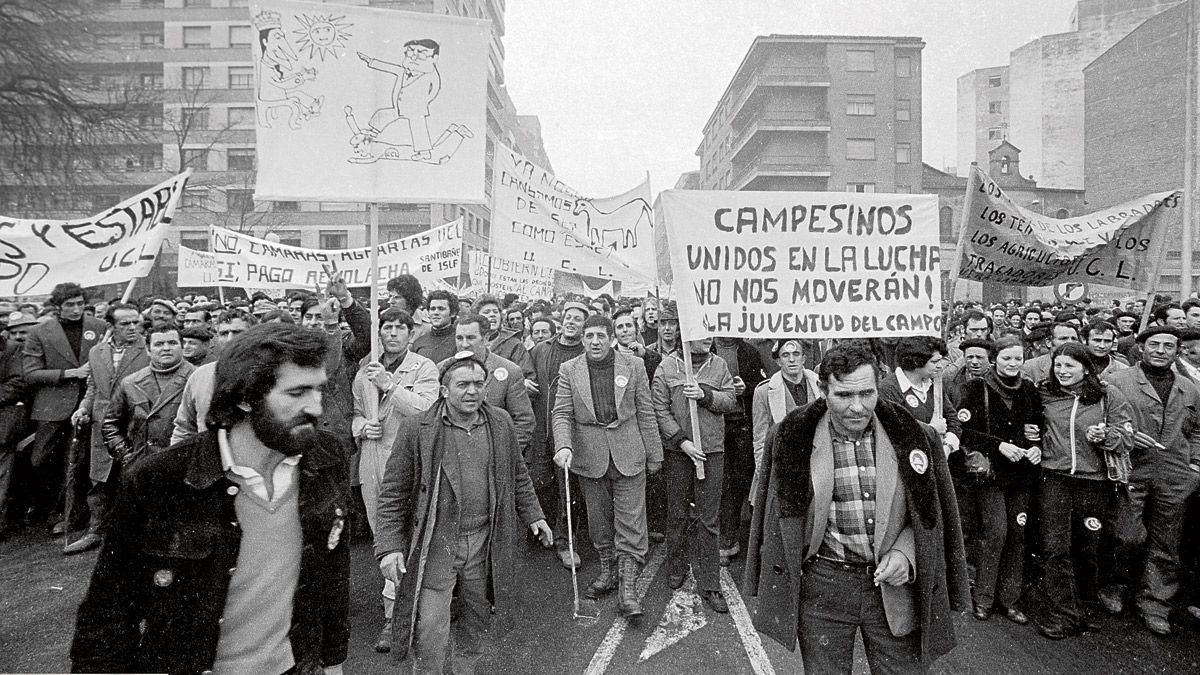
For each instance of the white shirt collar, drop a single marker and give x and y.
(282, 479)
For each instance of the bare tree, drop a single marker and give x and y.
(54, 119)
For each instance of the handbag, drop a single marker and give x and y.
(978, 465)
(1118, 464)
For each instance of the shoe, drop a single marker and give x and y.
(1194, 611)
(1053, 631)
(1089, 624)
(606, 580)
(657, 537)
(383, 644)
(59, 527)
(675, 581)
(981, 613)
(1110, 599)
(728, 554)
(1016, 616)
(716, 601)
(569, 560)
(628, 605)
(1157, 625)
(87, 542)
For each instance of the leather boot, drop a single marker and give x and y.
(606, 580)
(628, 604)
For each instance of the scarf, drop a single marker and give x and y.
(1007, 387)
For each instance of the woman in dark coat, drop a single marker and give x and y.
(1000, 413)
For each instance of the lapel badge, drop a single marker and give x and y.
(164, 578)
(918, 461)
(501, 374)
(1092, 524)
(89, 335)
(913, 401)
(622, 380)
(335, 533)
(964, 415)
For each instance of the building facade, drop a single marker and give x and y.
(194, 58)
(818, 113)
(983, 107)
(1135, 127)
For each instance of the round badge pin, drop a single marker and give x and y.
(1092, 524)
(918, 461)
(501, 374)
(89, 335)
(164, 578)
(1021, 518)
(622, 381)
(913, 401)
(964, 415)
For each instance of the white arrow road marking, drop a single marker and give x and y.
(612, 640)
(759, 660)
(682, 617)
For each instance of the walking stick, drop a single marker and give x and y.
(575, 613)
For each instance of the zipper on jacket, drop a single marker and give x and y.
(1074, 410)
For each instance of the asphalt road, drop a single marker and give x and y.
(42, 589)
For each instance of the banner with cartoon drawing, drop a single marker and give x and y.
(538, 219)
(111, 247)
(238, 260)
(360, 104)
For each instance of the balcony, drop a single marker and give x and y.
(781, 120)
(786, 166)
(779, 76)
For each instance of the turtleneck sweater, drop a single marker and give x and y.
(600, 375)
(1162, 379)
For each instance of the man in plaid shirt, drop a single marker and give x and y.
(858, 529)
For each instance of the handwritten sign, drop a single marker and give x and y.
(1009, 244)
(112, 247)
(766, 264)
(510, 276)
(434, 257)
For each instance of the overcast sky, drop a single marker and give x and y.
(626, 87)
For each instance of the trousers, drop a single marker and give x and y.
(468, 573)
(837, 601)
(1070, 523)
(739, 472)
(1002, 513)
(692, 515)
(616, 506)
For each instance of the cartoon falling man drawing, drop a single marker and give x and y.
(417, 84)
(280, 79)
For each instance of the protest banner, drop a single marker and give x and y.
(115, 246)
(763, 264)
(510, 276)
(1007, 243)
(238, 260)
(360, 104)
(539, 219)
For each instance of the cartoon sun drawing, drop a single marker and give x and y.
(321, 34)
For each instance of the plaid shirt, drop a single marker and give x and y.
(851, 524)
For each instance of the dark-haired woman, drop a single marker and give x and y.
(999, 414)
(1083, 418)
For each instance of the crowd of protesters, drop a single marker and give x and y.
(1070, 434)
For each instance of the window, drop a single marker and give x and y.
(150, 121)
(903, 110)
(860, 104)
(289, 207)
(195, 76)
(241, 77)
(860, 60)
(151, 81)
(994, 81)
(239, 200)
(197, 36)
(903, 66)
(150, 161)
(903, 153)
(241, 117)
(193, 198)
(241, 159)
(194, 158)
(239, 3)
(101, 202)
(860, 148)
(995, 107)
(193, 118)
(288, 237)
(1005, 165)
(1062, 213)
(995, 134)
(151, 41)
(197, 3)
(331, 240)
(860, 187)
(240, 36)
(197, 241)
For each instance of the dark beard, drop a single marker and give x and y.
(289, 438)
